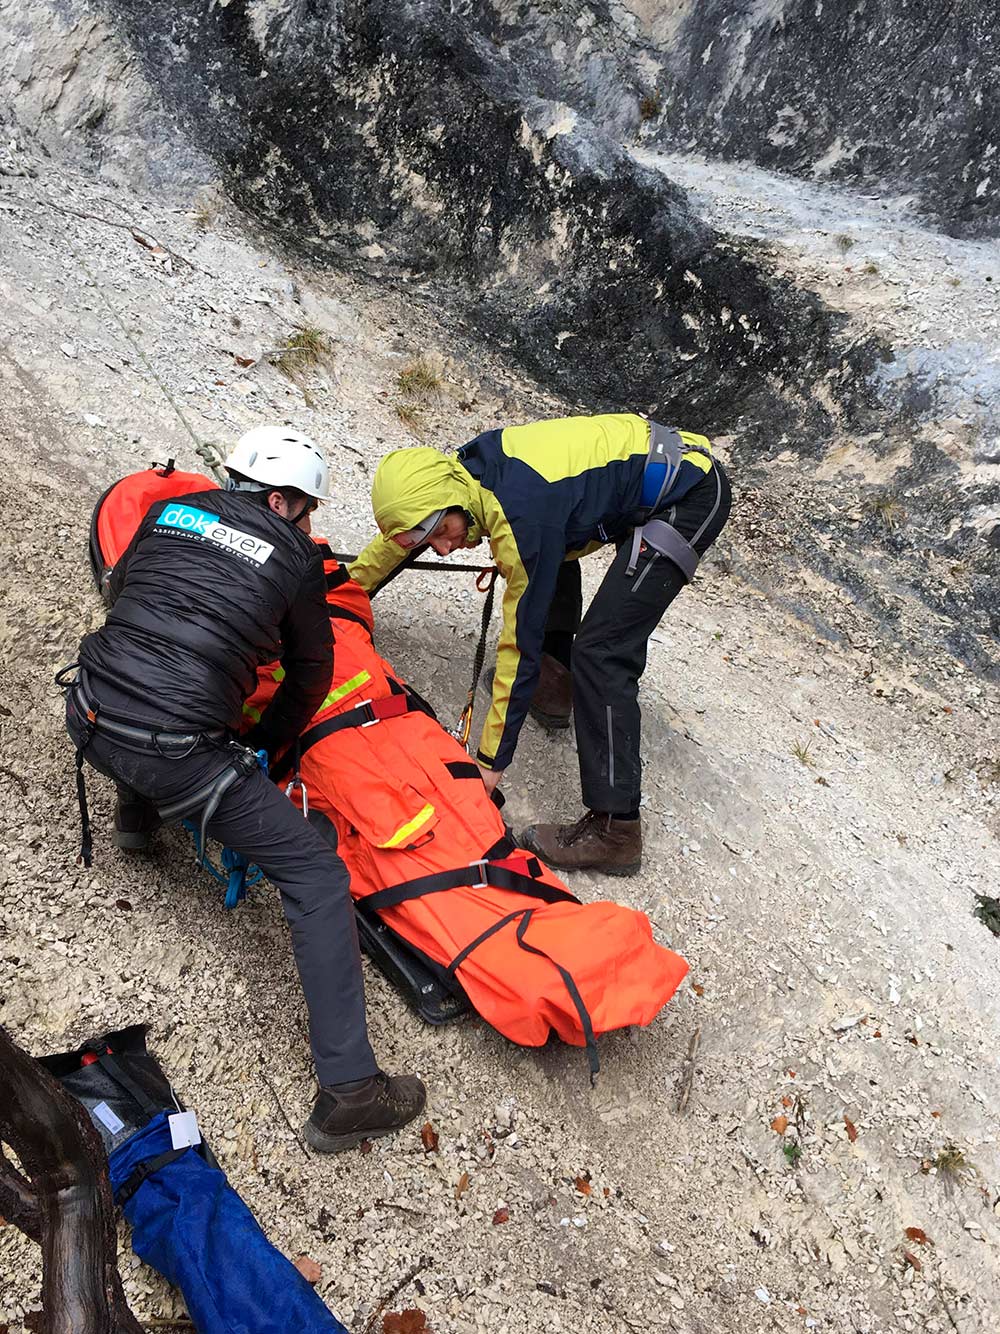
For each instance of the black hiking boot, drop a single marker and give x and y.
(597, 842)
(374, 1107)
(135, 822)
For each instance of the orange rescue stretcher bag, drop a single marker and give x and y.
(448, 906)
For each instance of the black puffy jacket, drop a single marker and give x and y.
(212, 586)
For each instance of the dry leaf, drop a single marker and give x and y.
(780, 1124)
(463, 1185)
(410, 1321)
(428, 1137)
(877, 1033)
(851, 1128)
(791, 1074)
(786, 1101)
(309, 1269)
(918, 1235)
(912, 1040)
(501, 1216)
(582, 1185)
(935, 1115)
(912, 1261)
(244, 361)
(697, 988)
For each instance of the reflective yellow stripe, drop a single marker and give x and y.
(343, 690)
(405, 830)
(252, 713)
(278, 674)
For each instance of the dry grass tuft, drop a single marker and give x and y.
(420, 379)
(306, 346)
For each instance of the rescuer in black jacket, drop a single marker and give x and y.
(212, 586)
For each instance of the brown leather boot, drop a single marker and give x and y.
(368, 1109)
(597, 842)
(552, 702)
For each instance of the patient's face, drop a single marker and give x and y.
(450, 534)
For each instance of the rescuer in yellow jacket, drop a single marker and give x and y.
(545, 494)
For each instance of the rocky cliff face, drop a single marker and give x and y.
(894, 95)
(409, 139)
(483, 159)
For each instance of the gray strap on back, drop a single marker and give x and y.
(664, 538)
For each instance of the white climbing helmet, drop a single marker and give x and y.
(279, 456)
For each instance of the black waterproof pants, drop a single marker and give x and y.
(257, 820)
(609, 650)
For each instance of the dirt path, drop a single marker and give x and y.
(818, 818)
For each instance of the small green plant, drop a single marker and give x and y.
(419, 379)
(889, 509)
(952, 1165)
(793, 1153)
(801, 752)
(987, 910)
(650, 106)
(304, 347)
(409, 414)
(954, 281)
(843, 242)
(870, 268)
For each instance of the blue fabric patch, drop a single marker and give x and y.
(192, 1227)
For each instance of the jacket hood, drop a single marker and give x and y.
(410, 484)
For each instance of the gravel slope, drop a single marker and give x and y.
(823, 901)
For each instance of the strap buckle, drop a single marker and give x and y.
(367, 704)
(393, 706)
(480, 866)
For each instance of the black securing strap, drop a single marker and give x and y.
(593, 1057)
(86, 841)
(501, 849)
(499, 877)
(463, 769)
(114, 1069)
(483, 936)
(345, 614)
(356, 717)
(336, 577)
(143, 1171)
(525, 914)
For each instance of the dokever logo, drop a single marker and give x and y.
(209, 526)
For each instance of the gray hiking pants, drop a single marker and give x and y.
(257, 820)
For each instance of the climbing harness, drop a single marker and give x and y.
(92, 719)
(663, 463)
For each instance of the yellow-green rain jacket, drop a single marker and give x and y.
(543, 493)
